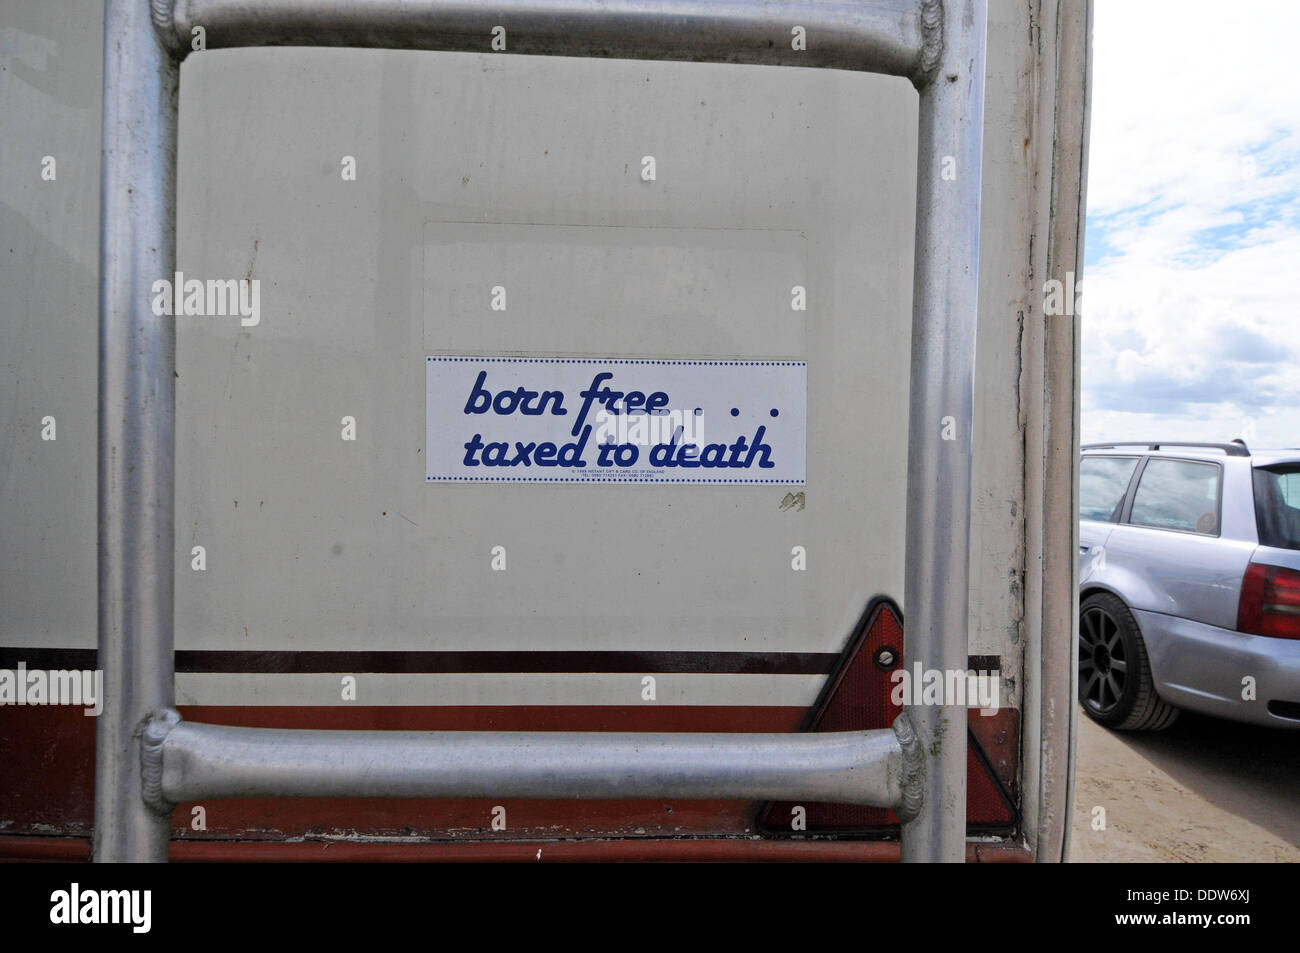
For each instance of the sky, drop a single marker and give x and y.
(1190, 311)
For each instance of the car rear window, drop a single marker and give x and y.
(1277, 506)
(1178, 494)
(1103, 482)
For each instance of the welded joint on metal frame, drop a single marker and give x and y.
(162, 12)
(153, 733)
(931, 41)
(912, 781)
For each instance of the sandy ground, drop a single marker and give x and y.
(1203, 790)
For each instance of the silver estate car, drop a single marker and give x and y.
(1189, 583)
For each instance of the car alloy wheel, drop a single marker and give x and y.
(1103, 660)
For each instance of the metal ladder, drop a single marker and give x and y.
(148, 759)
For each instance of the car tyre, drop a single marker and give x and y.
(1115, 684)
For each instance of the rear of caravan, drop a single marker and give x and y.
(459, 248)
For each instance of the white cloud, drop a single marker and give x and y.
(1191, 318)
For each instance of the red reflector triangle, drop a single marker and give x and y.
(857, 697)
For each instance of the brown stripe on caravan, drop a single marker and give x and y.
(218, 662)
(710, 849)
(198, 661)
(48, 752)
(700, 849)
(48, 782)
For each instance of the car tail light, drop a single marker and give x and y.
(1270, 602)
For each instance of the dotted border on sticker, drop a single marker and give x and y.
(596, 360)
(611, 479)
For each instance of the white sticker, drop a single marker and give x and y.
(586, 420)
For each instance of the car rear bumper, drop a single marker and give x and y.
(1203, 668)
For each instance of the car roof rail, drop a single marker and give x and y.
(1235, 449)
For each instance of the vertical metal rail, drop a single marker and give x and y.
(939, 44)
(944, 309)
(136, 426)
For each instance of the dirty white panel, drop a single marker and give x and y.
(49, 239)
(496, 688)
(313, 542)
(613, 290)
(765, 179)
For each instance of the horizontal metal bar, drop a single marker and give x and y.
(881, 36)
(186, 761)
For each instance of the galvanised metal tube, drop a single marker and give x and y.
(136, 403)
(201, 762)
(944, 308)
(882, 36)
